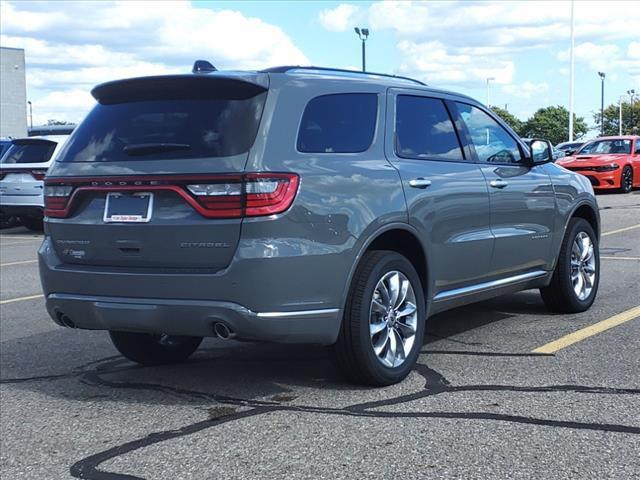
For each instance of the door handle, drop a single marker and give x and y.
(419, 182)
(498, 183)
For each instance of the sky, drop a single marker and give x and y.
(522, 45)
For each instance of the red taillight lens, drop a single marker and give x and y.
(56, 200)
(268, 194)
(212, 196)
(38, 174)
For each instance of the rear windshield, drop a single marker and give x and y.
(32, 152)
(173, 128)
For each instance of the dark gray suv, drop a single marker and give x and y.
(303, 205)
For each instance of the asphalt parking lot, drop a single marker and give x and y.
(480, 404)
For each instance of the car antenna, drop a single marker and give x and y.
(203, 66)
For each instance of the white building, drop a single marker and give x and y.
(13, 93)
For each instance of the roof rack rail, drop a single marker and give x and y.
(286, 68)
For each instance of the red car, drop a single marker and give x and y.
(610, 163)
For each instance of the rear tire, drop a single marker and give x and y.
(154, 349)
(564, 293)
(32, 223)
(626, 179)
(379, 340)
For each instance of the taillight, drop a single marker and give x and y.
(38, 174)
(56, 200)
(212, 196)
(268, 194)
(219, 199)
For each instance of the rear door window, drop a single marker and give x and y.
(29, 151)
(424, 130)
(187, 124)
(340, 123)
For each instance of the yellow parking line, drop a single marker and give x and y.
(620, 230)
(590, 331)
(20, 299)
(22, 262)
(620, 258)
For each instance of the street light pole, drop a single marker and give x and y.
(30, 114)
(631, 94)
(602, 76)
(620, 115)
(488, 98)
(571, 71)
(363, 34)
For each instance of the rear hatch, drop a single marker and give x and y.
(153, 177)
(24, 165)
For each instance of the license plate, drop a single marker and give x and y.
(128, 207)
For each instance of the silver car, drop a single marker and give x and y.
(23, 167)
(303, 205)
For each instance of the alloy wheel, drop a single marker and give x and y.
(583, 266)
(393, 319)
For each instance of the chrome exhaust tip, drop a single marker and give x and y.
(223, 332)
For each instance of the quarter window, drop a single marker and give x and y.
(492, 142)
(340, 123)
(424, 130)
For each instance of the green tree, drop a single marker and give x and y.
(510, 119)
(552, 123)
(630, 119)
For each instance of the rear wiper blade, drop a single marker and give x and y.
(149, 148)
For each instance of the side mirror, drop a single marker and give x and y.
(569, 152)
(541, 151)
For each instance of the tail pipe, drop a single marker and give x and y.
(223, 332)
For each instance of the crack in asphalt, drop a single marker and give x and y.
(435, 384)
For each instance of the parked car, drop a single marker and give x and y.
(22, 170)
(568, 148)
(608, 162)
(303, 205)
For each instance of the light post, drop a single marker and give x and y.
(30, 114)
(620, 100)
(631, 94)
(488, 98)
(571, 76)
(363, 34)
(602, 75)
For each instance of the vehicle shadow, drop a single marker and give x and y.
(219, 369)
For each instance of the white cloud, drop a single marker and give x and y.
(596, 57)
(432, 62)
(75, 45)
(340, 18)
(526, 89)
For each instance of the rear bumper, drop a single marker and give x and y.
(25, 205)
(193, 318)
(21, 211)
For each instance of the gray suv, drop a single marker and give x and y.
(303, 205)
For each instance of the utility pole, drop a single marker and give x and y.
(602, 76)
(571, 73)
(363, 34)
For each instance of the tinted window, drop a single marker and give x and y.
(342, 123)
(491, 141)
(191, 128)
(607, 146)
(637, 146)
(31, 151)
(425, 130)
